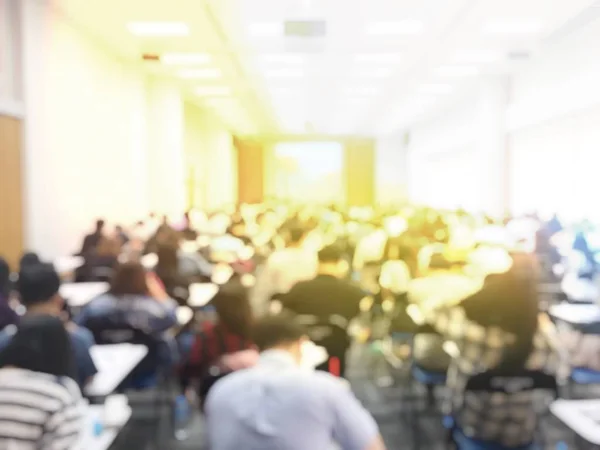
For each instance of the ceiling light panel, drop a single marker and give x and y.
(378, 58)
(158, 29)
(282, 58)
(208, 73)
(478, 56)
(513, 27)
(436, 89)
(184, 59)
(266, 29)
(458, 71)
(284, 73)
(402, 27)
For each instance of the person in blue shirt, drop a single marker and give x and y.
(38, 287)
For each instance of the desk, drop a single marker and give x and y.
(581, 416)
(68, 264)
(577, 316)
(579, 289)
(88, 441)
(201, 294)
(114, 363)
(80, 294)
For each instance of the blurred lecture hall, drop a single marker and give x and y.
(299, 225)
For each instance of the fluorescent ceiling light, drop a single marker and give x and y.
(266, 29)
(284, 73)
(436, 89)
(175, 59)
(409, 26)
(478, 56)
(362, 91)
(200, 73)
(213, 91)
(376, 73)
(457, 71)
(284, 59)
(158, 28)
(378, 58)
(513, 27)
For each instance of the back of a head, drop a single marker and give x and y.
(233, 309)
(28, 259)
(4, 278)
(331, 254)
(276, 331)
(100, 224)
(129, 279)
(41, 344)
(38, 284)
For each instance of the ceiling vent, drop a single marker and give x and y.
(305, 28)
(519, 56)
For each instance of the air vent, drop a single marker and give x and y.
(305, 28)
(519, 55)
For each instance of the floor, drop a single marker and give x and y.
(395, 416)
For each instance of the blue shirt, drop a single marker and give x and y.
(81, 340)
(279, 405)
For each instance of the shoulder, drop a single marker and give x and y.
(83, 335)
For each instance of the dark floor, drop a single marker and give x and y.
(397, 419)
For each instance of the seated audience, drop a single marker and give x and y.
(498, 327)
(90, 242)
(277, 404)
(41, 406)
(283, 269)
(100, 263)
(38, 288)
(28, 259)
(332, 299)
(7, 315)
(121, 235)
(227, 342)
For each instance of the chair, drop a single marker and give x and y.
(505, 383)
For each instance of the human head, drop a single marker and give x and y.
(41, 344)
(4, 278)
(331, 261)
(28, 259)
(38, 287)
(108, 247)
(233, 309)
(168, 261)
(129, 279)
(279, 333)
(100, 225)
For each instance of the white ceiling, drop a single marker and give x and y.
(380, 65)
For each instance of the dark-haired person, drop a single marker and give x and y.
(38, 288)
(7, 315)
(28, 259)
(283, 269)
(140, 301)
(227, 341)
(40, 403)
(498, 327)
(327, 296)
(90, 242)
(277, 404)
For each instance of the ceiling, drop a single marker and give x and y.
(359, 67)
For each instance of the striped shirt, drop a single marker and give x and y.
(38, 411)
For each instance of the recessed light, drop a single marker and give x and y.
(457, 71)
(266, 29)
(213, 91)
(284, 73)
(284, 59)
(513, 27)
(176, 59)
(436, 89)
(409, 26)
(378, 58)
(200, 73)
(158, 28)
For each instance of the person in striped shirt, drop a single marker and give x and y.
(41, 406)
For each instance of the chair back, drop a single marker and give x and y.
(114, 329)
(513, 382)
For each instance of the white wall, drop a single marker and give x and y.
(391, 170)
(86, 134)
(211, 155)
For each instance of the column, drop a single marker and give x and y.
(166, 152)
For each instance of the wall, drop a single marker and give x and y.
(85, 154)
(211, 160)
(391, 170)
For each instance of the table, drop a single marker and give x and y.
(581, 416)
(201, 294)
(88, 440)
(68, 264)
(114, 363)
(80, 294)
(579, 290)
(576, 315)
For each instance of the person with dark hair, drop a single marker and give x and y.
(283, 269)
(40, 404)
(100, 263)
(278, 404)
(329, 297)
(90, 242)
(138, 295)
(231, 334)
(38, 288)
(7, 315)
(28, 259)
